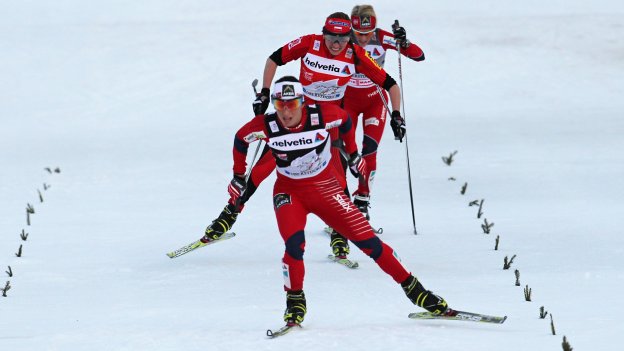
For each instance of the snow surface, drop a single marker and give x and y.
(137, 103)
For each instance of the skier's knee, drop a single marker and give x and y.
(372, 247)
(295, 245)
(370, 146)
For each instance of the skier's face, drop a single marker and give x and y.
(336, 43)
(289, 112)
(363, 38)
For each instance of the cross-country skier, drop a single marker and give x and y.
(299, 139)
(362, 94)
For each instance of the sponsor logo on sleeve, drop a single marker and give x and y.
(317, 45)
(388, 40)
(253, 136)
(294, 43)
(333, 124)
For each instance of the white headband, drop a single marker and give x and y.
(287, 90)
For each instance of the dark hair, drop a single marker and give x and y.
(340, 15)
(287, 79)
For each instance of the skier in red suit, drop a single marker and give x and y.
(298, 136)
(362, 96)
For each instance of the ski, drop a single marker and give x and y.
(329, 230)
(282, 331)
(460, 316)
(197, 244)
(344, 261)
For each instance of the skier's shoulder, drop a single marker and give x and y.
(331, 112)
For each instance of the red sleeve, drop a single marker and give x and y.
(413, 51)
(335, 117)
(368, 66)
(253, 130)
(296, 49)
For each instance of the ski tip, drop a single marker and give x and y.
(503, 320)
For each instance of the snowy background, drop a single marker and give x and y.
(137, 103)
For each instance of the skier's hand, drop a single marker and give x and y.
(261, 104)
(397, 123)
(236, 188)
(357, 165)
(400, 35)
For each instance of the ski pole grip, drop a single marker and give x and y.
(253, 85)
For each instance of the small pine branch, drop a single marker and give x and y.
(30, 208)
(46, 186)
(448, 160)
(566, 345)
(463, 189)
(552, 325)
(480, 212)
(517, 272)
(486, 226)
(527, 294)
(7, 287)
(497, 241)
(543, 312)
(48, 169)
(24, 235)
(473, 203)
(27, 217)
(507, 264)
(57, 170)
(19, 252)
(9, 272)
(452, 179)
(40, 196)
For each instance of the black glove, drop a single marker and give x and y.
(400, 36)
(236, 188)
(261, 104)
(357, 165)
(397, 123)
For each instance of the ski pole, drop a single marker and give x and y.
(409, 173)
(253, 160)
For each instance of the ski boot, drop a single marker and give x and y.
(339, 245)
(222, 224)
(295, 307)
(361, 201)
(423, 298)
